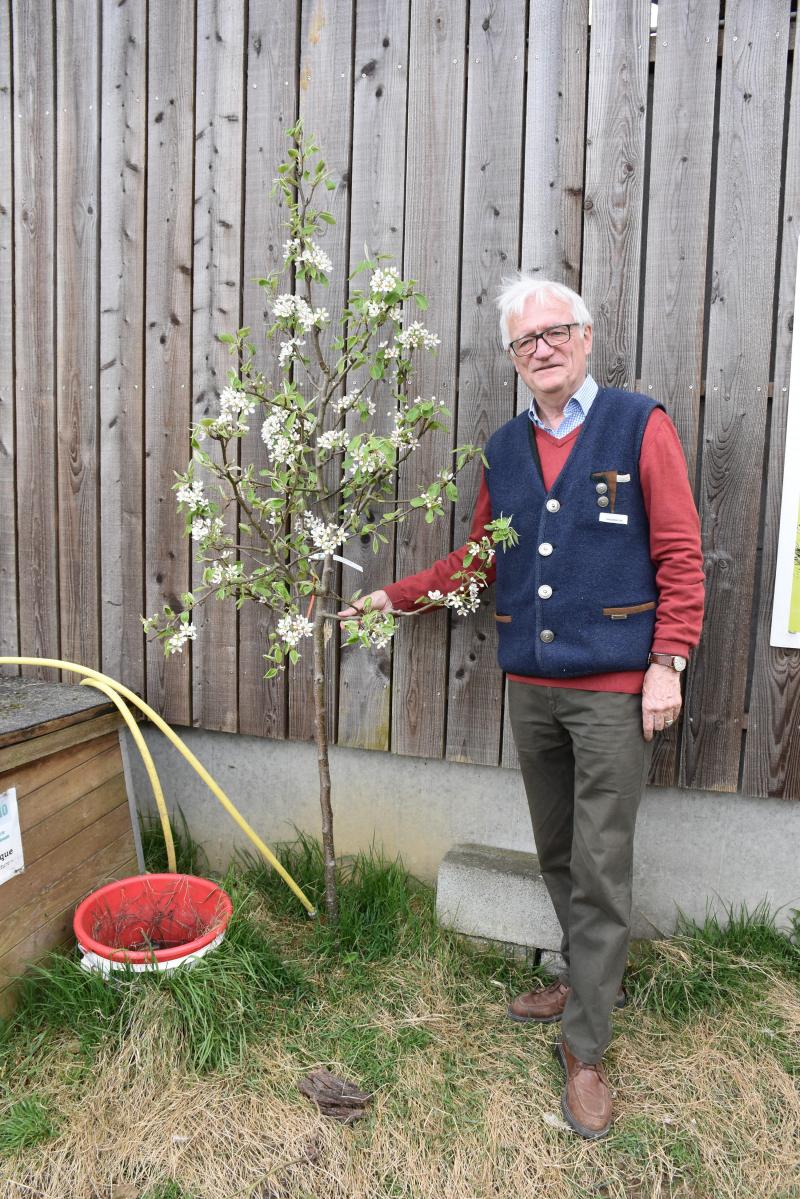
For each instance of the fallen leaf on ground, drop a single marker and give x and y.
(334, 1096)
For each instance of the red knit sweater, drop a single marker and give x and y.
(674, 548)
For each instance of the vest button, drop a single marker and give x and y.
(545, 591)
(602, 501)
(552, 505)
(601, 488)
(545, 549)
(547, 635)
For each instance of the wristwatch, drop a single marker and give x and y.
(674, 660)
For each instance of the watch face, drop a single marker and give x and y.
(678, 662)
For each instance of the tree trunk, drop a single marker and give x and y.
(321, 738)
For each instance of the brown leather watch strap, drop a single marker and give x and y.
(666, 660)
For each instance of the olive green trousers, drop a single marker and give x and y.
(584, 763)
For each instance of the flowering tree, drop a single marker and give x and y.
(331, 475)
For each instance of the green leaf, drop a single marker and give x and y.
(420, 301)
(327, 218)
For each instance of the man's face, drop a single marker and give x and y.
(554, 372)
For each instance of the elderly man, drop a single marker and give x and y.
(598, 608)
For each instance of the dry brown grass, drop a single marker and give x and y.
(704, 1111)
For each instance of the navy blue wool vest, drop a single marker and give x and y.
(577, 595)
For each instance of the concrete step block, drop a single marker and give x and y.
(497, 894)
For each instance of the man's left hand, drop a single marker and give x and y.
(661, 699)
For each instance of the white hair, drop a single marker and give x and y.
(517, 289)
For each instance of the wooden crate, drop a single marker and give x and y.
(60, 749)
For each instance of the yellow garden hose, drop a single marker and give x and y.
(149, 764)
(90, 674)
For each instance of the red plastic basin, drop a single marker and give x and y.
(150, 917)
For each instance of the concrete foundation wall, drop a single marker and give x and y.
(698, 850)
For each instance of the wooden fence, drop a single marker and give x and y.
(659, 174)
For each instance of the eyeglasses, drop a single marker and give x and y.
(525, 346)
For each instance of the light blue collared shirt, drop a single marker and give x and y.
(575, 413)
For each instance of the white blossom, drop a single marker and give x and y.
(308, 252)
(283, 445)
(191, 494)
(325, 537)
(289, 307)
(201, 528)
(334, 439)
(435, 595)
(365, 460)
(288, 350)
(292, 628)
(417, 335)
(316, 257)
(346, 402)
(175, 644)
(384, 281)
(204, 528)
(464, 600)
(233, 403)
(224, 573)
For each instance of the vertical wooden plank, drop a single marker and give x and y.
(376, 219)
(433, 207)
(77, 200)
(740, 326)
(552, 213)
(9, 626)
(34, 216)
(772, 747)
(326, 50)
(615, 140)
(677, 234)
(122, 337)
(492, 201)
(170, 154)
(219, 108)
(271, 109)
(555, 117)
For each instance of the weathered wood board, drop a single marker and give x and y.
(271, 110)
(434, 183)
(376, 222)
(77, 41)
(492, 202)
(168, 342)
(677, 236)
(34, 332)
(123, 131)
(737, 381)
(9, 614)
(326, 106)
(74, 815)
(772, 749)
(216, 308)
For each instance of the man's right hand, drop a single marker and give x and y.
(380, 602)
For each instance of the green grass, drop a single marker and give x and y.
(707, 967)
(212, 1009)
(26, 1122)
(706, 1068)
(190, 857)
(382, 909)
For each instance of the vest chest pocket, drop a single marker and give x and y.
(626, 610)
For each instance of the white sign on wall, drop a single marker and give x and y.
(785, 629)
(11, 861)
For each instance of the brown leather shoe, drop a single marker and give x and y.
(545, 1005)
(586, 1099)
